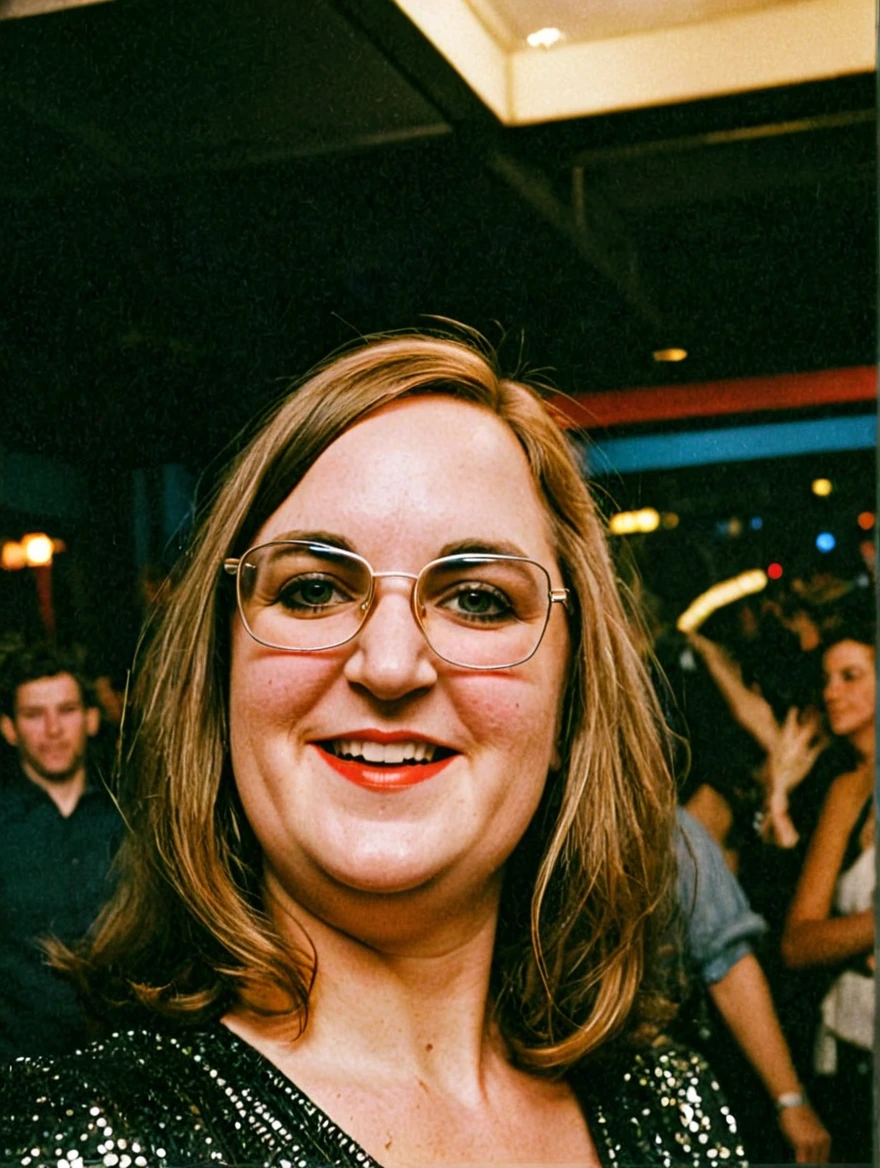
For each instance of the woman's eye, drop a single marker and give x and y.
(310, 593)
(483, 603)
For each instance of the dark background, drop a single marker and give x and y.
(198, 201)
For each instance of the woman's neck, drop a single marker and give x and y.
(864, 742)
(414, 1007)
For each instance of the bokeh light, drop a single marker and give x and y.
(12, 556)
(38, 549)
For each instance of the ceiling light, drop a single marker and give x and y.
(719, 595)
(629, 522)
(545, 38)
(38, 549)
(11, 9)
(670, 354)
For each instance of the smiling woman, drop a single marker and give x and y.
(831, 920)
(400, 842)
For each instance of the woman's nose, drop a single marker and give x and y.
(390, 656)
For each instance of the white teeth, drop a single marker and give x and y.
(389, 753)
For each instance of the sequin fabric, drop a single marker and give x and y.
(147, 1099)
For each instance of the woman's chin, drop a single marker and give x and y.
(391, 875)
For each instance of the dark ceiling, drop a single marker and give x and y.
(200, 200)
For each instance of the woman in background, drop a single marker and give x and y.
(831, 919)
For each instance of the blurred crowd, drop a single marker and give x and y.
(772, 704)
(774, 701)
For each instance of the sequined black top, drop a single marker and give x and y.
(145, 1099)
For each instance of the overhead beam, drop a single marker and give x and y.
(790, 391)
(591, 227)
(732, 444)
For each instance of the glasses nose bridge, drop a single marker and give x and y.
(413, 576)
(370, 605)
(403, 575)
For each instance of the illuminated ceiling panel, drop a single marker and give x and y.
(514, 20)
(12, 9)
(625, 54)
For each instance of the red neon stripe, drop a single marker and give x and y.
(788, 391)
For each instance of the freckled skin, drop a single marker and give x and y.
(400, 487)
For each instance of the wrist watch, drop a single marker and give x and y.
(790, 1099)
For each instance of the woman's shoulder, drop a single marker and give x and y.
(663, 1105)
(124, 1097)
(853, 784)
(847, 796)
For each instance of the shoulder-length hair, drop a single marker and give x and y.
(187, 935)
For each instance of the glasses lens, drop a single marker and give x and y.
(299, 595)
(484, 611)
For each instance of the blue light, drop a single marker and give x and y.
(734, 444)
(825, 541)
(756, 523)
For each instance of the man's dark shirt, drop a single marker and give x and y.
(54, 878)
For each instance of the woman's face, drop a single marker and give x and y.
(849, 690)
(408, 484)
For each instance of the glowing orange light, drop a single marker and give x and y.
(866, 520)
(38, 549)
(628, 522)
(673, 354)
(774, 571)
(12, 556)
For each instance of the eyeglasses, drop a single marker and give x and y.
(477, 610)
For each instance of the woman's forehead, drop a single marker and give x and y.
(450, 468)
(848, 652)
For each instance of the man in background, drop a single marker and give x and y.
(59, 830)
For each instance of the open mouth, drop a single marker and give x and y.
(395, 754)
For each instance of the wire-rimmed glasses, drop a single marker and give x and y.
(477, 610)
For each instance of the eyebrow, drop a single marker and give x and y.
(461, 547)
(502, 547)
(326, 537)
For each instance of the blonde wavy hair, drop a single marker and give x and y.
(583, 907)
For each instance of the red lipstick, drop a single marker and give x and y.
(383, 776)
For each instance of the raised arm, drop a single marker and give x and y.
(750, 709)
(789, 760)
(812, 936)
